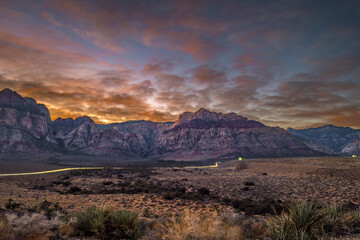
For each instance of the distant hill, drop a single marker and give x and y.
(337, 140)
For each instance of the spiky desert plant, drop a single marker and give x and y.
(305, 216)
(92, 221)
(126, 225)
(280, 227)
(352, 221)
(301, 221)
(332, 220)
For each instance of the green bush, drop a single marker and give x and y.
(305, 216)
(332, 221)
(352, 221)
(102, 223)
(92, 221)
(74, 189)
(301, 221)
(126, 225)
(11, 204)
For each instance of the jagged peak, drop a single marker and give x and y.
(216, 119)
(203, 110)
(7, 92)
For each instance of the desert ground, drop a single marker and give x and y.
(157, 191)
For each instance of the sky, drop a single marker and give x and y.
(284, 63)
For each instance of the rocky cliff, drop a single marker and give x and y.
(24, 124)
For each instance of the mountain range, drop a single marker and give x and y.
(26, 126)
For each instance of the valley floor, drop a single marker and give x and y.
(160, 191)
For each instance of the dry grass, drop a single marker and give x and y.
(27, 227)
(191, 226)
(240, 166)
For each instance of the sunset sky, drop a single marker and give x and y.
(284, 63)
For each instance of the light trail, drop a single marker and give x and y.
(54, 171)
(90, 168)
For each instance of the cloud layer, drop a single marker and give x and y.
(292, 64)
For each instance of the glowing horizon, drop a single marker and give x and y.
(284, 64)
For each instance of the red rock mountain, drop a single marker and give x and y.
(25, 126)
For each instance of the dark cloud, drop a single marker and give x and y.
(287, 63)
(206, 75)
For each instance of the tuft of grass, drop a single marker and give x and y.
(27, 227)
(195, 226)
(4, 228)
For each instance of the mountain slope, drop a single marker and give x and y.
(207, 134)
(339, 139)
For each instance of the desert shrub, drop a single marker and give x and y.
(74, 189)
(332, 220)
(49, 209)
(195, 226)
(260, 207)
(11, 204)
(305, 216)
(251, 228)
(169, 196)
(245, 189)
(352, 221)
(107, 183)
(204, 191)
(101, 222)
(92, 221)
(301, 221)
(240, 166)
(249, 183)
(126, 225)
(27, 227)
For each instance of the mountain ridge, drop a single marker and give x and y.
(202, 134)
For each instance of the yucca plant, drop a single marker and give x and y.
(126, 225)
(352, 221)
(280, 227)
(300, 222)
(92, 221)
(305, 216)
(332, 220)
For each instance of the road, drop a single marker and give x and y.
(89, 168)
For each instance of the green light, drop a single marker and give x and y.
(240, 158)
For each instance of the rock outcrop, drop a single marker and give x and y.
(24, 124)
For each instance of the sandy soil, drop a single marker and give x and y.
(326, 180)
